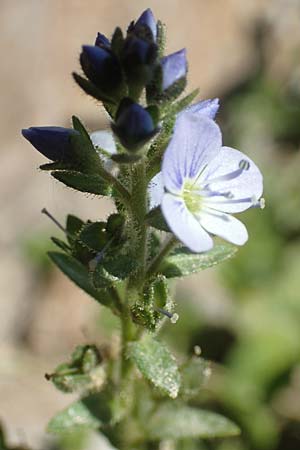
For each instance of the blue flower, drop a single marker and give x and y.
(52, 142)
(174, 67)
(204, 183)
(134, 125)
(209, 108)
(147, 19)
(206, 108)
(101, 66)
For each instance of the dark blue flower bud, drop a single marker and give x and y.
(134, 125)
(138, 59)
(174, 67)
(52, 142)
(102, 41)
(147, 19)
(101, 67)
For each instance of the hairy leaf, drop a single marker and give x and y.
(157, 364)
(76, 416)
(91, 183)
(79, 275)
(172, 421)
(183, 262)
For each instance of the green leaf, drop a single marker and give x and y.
(159, 145)
(183, 103)
(171, 421)
(125, 158)
(121, 266)
(91, 183)
(103, 279)
(183, 262)
(161, 38)
(117, 41)
(90, 89)
(61, 244)
(73, 224)
(93, 236)
(195, 374)
(157, 364)
(79, 275)
(76, 416)
(156, 219)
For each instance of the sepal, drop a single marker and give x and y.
(85, 371)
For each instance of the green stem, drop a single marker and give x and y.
(139, 211)
(120, 189)
(156, 262)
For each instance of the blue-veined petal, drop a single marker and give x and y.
(184, 225)
(248, 184)
(207, 107)
(224, 226)
(195, 142)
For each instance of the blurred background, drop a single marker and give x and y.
(245, 314)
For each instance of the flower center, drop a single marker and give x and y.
(191, 196)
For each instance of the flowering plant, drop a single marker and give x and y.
(175, 187)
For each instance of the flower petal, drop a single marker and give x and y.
(195, 142)
(223, 225)
(184, 225)
(208, 108)
(174, 67)
(104, 139)
(247, 186)
(156, 190)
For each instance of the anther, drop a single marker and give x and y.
(244, 165)
(173, 317)
(261, 203)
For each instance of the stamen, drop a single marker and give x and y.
(243, 165)
(44, 211)
(173, 317)
(93, 262)
(261, 203)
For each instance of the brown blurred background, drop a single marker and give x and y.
(40, 44)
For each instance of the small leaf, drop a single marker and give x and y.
(93, 236)
(76, 416)
(91, 183)
(121, 266)
(183, 103)
(183, 262)
(79, 275)
(90, 89)
(101, 278)
(117, 41)
(195, 374)
(156, 220)
(157, 364)
(172, 421)
(61, 244)
(161, 38)
(125, 158)
(73, 224)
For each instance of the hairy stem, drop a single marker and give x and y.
(156, 262)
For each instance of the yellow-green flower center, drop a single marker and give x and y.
(191, 196)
